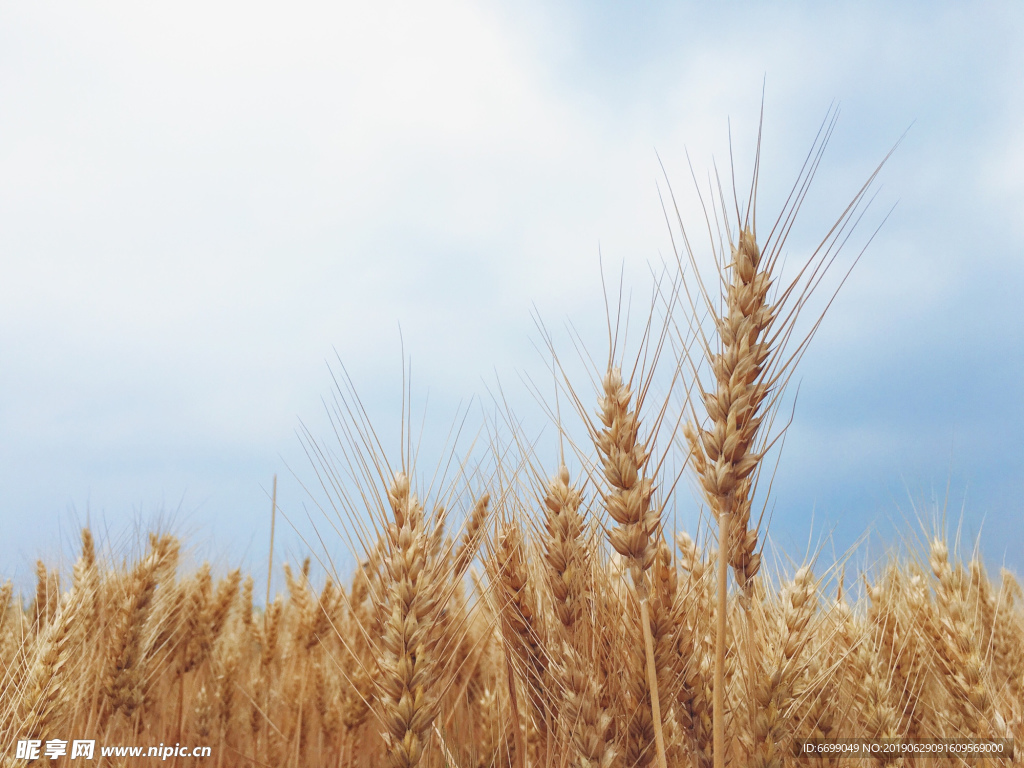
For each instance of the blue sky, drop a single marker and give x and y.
(201, 203)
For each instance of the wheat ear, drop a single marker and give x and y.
(469, 544)
(694, 695)
(46, 686)
(521, 632)
(773, 686)
(409, 613)
(125, 672)
(567, 562)
(724, 456)
(564, 553)
(624, 459)
(5, 601)
(959, 648)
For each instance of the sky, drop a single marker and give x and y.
(208, 211)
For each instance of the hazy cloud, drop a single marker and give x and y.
(200, 202)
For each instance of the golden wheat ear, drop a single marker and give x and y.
(746, 363)
(47, 685)
(628, 500)
(414, 592)
(747, 358)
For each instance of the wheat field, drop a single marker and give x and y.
(536, 613)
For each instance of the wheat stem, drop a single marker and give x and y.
(652, 681)
(720, 626)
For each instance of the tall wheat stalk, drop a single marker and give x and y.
(743, 371)
(409, 617)
(624, 458)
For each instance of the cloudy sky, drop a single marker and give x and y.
(203, 205)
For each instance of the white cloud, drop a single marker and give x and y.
(197, 201)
